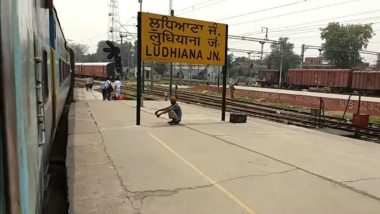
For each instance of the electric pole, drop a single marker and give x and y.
(171, 13)
(113, 21)
(302, 55)
(263, 42)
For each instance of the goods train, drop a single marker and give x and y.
(35, 80)
(338, 80)
(97, 70)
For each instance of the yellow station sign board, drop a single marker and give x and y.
(173, 39)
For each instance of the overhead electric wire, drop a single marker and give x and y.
(305, 30)
(294, 12)
(307, 26)
(194, 9)
(192, 6)
(309, 31)
(262, 10)
(321, 20)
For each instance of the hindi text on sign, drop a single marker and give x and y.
(173, 39)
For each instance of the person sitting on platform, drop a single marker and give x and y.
(174, 111)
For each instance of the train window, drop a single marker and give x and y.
(45, 77)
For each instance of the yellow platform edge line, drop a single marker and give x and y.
(212, 181)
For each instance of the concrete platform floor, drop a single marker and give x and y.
(208, 166)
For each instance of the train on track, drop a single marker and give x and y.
(35, 80)
(96, 69)
(337, 80)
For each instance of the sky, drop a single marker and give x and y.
(87, 21)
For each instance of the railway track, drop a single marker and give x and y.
(272, 113)
(276, 114)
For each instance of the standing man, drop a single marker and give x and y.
(117, 84)
(174, 111)
(104, 85)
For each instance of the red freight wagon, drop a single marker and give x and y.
(270, 77)
(78, 68)
(98, 69)
(366, 81)
(333, 78)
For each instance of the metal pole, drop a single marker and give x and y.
(151, 81)
(219, 78)
(360, 99)
(142, 74)
(171, 80)
(302, 55)
(171, 12)
(280, 79)
(262, 51)
(225, 79)
(138, 97)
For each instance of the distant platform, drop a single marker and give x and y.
(208, 166)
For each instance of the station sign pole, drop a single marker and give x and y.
(138, 97)
(225, 78)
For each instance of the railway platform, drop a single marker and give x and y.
(207, 166)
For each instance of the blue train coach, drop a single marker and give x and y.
(35, 78)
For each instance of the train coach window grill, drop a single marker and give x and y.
(45, 82)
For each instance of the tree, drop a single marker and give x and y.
(343, 42)
(230, 60)
(101, 56)
(282, 50)
(80, 51)
(127, 51)
(160, 68)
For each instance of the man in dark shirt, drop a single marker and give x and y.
(174, 111)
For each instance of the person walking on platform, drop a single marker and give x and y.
(109, 89)
(104, 85)
(117, 84)
(174, 111)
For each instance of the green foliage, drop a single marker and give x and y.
(343, 42)
(282, 50)
(230, 59)
(80, 51)
(101, 56)
(159, 68)
(127, 53)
